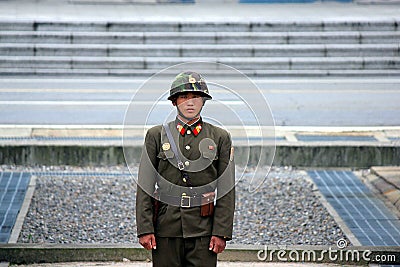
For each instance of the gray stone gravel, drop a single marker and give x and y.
(100, 209)
(284, 211)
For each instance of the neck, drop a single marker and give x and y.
(187, 121)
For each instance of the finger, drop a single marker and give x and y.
(153, 242)
(143, 243)
(216, 248)
(148, 245)
(220, 246)
(212, 244)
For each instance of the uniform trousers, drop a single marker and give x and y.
(183, 252)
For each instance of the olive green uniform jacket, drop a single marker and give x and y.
(209, 162)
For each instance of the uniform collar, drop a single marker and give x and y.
(194, 128)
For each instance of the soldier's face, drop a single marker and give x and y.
(189, 104)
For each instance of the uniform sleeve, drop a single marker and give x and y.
(225, 206)
(146, 185)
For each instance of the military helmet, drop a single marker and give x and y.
(188, 81)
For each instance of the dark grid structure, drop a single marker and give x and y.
(13, 186)
(368, 218)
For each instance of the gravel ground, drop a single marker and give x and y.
(99, 208)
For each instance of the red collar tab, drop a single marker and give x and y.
(183, 129)
(197, 129)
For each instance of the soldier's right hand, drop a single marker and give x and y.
(148, 241)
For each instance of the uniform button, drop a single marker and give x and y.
(187, 147)
(188, 132)
(187, 163)
(184, 180)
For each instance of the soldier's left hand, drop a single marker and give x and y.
(217, 244)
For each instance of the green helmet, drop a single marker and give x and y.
(188, 81)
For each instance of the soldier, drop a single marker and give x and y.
(185, 162)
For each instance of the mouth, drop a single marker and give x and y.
(190, 110)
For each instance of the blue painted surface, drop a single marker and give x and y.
(13, 186)
(333, 138)
(367, 217)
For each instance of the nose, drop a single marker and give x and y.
(189, 101)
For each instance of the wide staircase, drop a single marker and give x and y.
(262, 48)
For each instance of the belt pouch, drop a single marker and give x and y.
(207, 204)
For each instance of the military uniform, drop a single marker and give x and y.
(182, 234)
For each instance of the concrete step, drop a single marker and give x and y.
(261, 47)
(154, 50)
(66, 37)
(243, 63)
(73, 67)
(201, 26)
(67, 72)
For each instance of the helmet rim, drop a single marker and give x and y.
(189, 81)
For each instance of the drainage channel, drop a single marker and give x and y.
(13, 187)
(366, 216)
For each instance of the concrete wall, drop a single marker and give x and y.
(301, 156)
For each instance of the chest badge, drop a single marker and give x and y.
(166, 146)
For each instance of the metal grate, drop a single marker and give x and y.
(367, 217)
(13, 186)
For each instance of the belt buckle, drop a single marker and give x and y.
(185, 201)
